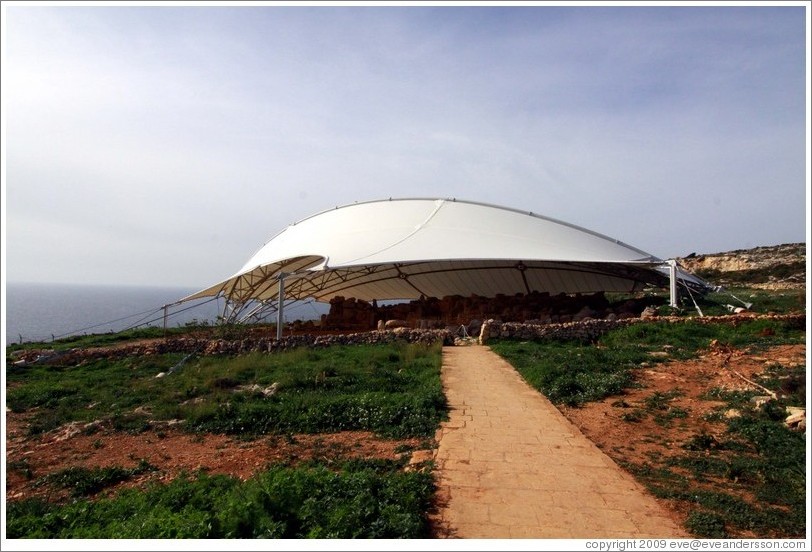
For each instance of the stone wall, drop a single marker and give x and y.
(587, 331)
(591, 330)
(191, 345)
(456, 310)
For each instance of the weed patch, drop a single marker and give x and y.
(396, 393)
(393, 390)
(89, 481)
(769, 460)
(634, 416)
(359, 501)
(706, 525)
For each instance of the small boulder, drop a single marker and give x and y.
(649, 312)
(585, 313)
(760, 400)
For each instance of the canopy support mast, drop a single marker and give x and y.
(280, 305)
(672, 276)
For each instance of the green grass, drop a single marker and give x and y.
(789, 383)
(574, 373)
(661, 401)
(763, 301)
(357, 501)
(393, 390)
(658, 405)
(688, 338)
(571, 373)
(83, 481)
(714, 304)
(102, 389)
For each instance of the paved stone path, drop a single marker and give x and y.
(510, 465)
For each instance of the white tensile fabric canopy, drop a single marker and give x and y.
(407, 248)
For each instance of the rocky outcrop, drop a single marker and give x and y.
(768, 267)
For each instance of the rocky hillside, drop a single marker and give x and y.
(768, 267)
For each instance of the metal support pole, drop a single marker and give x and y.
(280, 305)
(672, 273)
(165, 307)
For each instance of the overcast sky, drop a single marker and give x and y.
(164, 145)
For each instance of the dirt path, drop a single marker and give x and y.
(510, 465)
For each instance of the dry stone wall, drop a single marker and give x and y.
(190, 345)
(591, 330)
(586, 331)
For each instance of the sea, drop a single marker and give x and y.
(43, 312)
